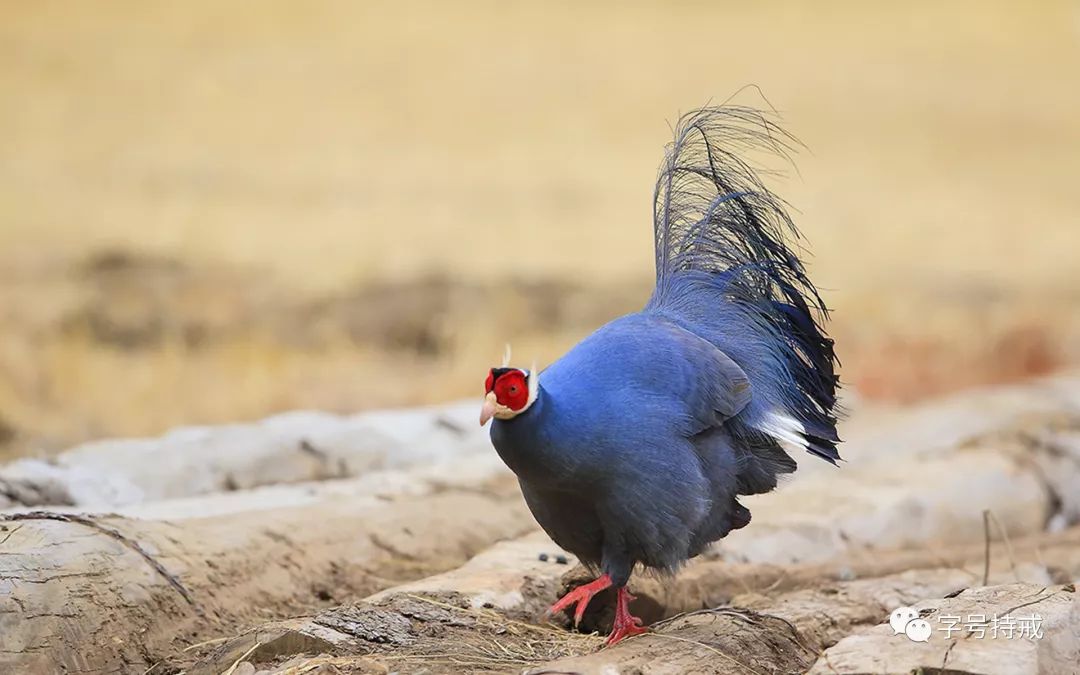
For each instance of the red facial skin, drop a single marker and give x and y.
(511, 389)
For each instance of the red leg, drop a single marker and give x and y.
(581, 596)
(626, 624)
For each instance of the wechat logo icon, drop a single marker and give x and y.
(906, 620)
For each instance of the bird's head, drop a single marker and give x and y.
(508, 391)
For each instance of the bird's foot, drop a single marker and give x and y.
(626, 624)
(581, 597)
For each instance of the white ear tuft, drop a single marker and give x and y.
(506, 356)
(534, 383)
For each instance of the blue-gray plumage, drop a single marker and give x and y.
(634, 447)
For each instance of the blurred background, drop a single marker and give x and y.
(213, 211)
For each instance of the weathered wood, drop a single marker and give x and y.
(288, 448)
(797, 631)
(1025, 474)
(312, 446)
(510, 579)
(116, 594)
(876, 431)
(994, 635)
(717, 583)
(99, 591)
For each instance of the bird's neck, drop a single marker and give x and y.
(523, 443)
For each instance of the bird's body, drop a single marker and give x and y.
(638, 374)
(634, 447)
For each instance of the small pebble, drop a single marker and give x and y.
(560, 560)
(543, 557)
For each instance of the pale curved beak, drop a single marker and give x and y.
(488, 411)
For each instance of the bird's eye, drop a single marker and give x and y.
(513, 389)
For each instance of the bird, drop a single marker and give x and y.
(633, 449)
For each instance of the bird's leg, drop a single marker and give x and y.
(626, 624)
(581, 596)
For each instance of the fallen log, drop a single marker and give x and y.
(876, 431)
(794, 633)
(911, 503)
(443, 633)
(460, 472)
(289, 448)
(114, 594)
(1039, 558)
(312, 446)
(504, 588)
(1024, 474)
(1008, 630)
(95, 581)
(499, 598)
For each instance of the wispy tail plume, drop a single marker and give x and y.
(715, 220)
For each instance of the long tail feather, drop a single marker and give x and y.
(717, 225)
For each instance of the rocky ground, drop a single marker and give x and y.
(396, 542)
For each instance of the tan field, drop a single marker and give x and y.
(210, 211)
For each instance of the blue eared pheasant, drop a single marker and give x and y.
(635, 446)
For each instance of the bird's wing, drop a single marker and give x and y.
(708, 383)
(726, 387)
(721, 392)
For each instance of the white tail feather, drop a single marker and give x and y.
(786, 429)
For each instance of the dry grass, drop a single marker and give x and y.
(479, 641)
(271, 159)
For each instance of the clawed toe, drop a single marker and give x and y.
(626, 624)
(580, 598)
(629, 630)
